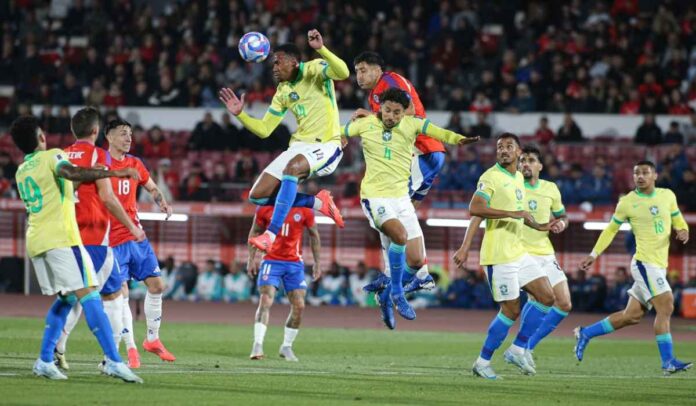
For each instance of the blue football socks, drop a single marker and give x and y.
(599, 328)
(397, 263)
(55, 321)
(284, 201)
(530, 323)
(664, 344)
(497, 331)
(551, 321)
(99, 324)
(301, 200)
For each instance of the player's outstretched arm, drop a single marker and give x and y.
(336, 68)
(446, 136)
(315, 242)
(158, 197)
(107, 196)
(235, 105)
(76, 173)
(602, 244)
(462, 253)
(252, 266)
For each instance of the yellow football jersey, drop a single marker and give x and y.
(49, 202)
(651, 217)
(311, 99)
(503, 191)
(541, 200)
(389, 151)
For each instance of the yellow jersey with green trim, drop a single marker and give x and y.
(311, 99)
(389, 151)
(650, 217)
(502, 242)
(542, 200)
(49, 200)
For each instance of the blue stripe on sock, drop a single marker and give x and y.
(259, 202)
(541, 307)
(508, 322)
(559, 311)
(606, 325)
(90, 296)
(397, 248)
(290, 178)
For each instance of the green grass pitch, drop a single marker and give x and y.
(341, 367)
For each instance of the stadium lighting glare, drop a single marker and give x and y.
(601, 225)
(437, 222)
(323, 220)
(161, 216)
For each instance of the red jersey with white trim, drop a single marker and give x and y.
(92, 215)
(388, 80)
(126, 190)
(288, 243)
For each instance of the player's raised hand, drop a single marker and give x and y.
(360, 113)
(315, 39)
(234, 104)
(460, 257)
(131, 173)
(683, 236)
(468, 140)
(316, 271)
(587, 263)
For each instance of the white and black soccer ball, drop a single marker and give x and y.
(254, 47)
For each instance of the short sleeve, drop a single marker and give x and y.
(309, 221)
(620, 213)
(485, 187)
(142, 172)
(277, 107)
(58, 159)
(557, 207)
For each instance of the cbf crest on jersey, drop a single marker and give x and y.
(294, 96)
(532, 204)
(518, 194)
(654, 210)
(387, 136)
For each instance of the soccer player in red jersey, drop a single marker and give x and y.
(428, 159)
(94, 201)
(136, 259)
(282, 263)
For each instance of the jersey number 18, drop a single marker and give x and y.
(123, 187)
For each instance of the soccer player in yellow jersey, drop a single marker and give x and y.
(652, 213)
(387, 142)
(500, 199)
(62, 264)
(307, 90)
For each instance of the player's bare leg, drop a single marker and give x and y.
(292, 325)
(417, 266)
(266, 297)
(153, 318)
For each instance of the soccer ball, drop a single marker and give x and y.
(254, 47)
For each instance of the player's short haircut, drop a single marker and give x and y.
(370, 58)
(647, 163)
(25, 131)
(84, 121)
(532, 149)
(290, 50)
(113, 124)
(396, 95)
(511, 136)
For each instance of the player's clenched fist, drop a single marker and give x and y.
(315, 39)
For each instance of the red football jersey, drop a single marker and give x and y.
(388, 80)
(126, 190)
(288, 243)
(92, 215)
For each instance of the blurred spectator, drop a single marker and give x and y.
(460, 290)
(686, 192)
(155, 145)
(599, 188)
(218, 183)
(208, 283)
(236, 284)
(167, 95)
(140, 96)
(481, 103)
(185, 276)
(569, 130)
(247, 168)
(580, 291)
(207, 136)
(690, 129)
(677, 289)
(543, 134)
(356, 280)
(115, 97)
(62, 122)
(332, 286)
(455, 123)
(170, 176)
(9, 169)
(597, 293)
(192, 186)
(481, 128)
(68, 93)
(617, 296)
(524, 101)
(96, 94)
(648, 133)
(673, 135)
(230, 133)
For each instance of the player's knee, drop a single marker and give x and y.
(546, 298)
(564, 305)
(294, 168)
(416, 263)
(265, 302)
(399, 237)
(298, 307)
(665, 309)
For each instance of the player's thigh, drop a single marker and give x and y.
(270, 274)
(663, 303)
(561, 293)
(322, 159)
(634, 309)
(503, 281)
(533, 279)
(124, 259)
(649, 281)
(379, 210)
(264, 187)
(146, 265)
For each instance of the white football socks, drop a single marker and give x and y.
(114, 311)
(127, 332)
(153, 314)
(289, 338)
(70, 323)
(483, 362)
(422, 273)
(317, 204)
(259, 332)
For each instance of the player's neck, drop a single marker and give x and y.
(88, 140)
(647, 191)
(532, 181)
(511, 168)
(117, 155)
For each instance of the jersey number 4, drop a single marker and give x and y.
(123, 187)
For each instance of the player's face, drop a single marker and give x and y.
(507, 151)
(283, 67)
(120, 138)
(391, 113)
(367, 75)
(644, 176)
(530, 166)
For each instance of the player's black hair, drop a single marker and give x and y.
(290, 50)
(370, 58)
(532, 149)
(116, 123)
(25, 131)
(647, 163)
(509, 135)
(84, 121)
(396, 95)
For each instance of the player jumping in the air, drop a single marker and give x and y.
(387, 141)
(428, 158)
(652, 213)
(283, 264)
(63, 266)
(93, 203)
(542, 199)
(307, 90)
(500, 200)
(136, 259)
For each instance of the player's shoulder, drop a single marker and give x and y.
(665, 193)
(313, 68)
(549, 187)
(133, 160)
(628, 197)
